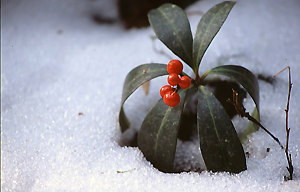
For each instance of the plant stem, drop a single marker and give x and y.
(200, 79)
(288, 156)
(241, 111)
(250, 118)
(197, 78)
(161, 52)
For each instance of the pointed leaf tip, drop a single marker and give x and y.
(172, 27)
(208, 27)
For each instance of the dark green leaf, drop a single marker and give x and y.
(247, 79)
(172, 27)
(208, 27)
(157, 137)
(134, 79)
(220, 146)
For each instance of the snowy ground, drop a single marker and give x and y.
(57, 62)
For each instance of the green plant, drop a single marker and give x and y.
(219, 143)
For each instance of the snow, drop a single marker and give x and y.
(62, 78)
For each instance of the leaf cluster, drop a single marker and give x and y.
(219, 143)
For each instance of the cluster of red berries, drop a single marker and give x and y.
(169, 92)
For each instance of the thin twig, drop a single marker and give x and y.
(288, 156)
(241, 111)
(126, 171)
(159, 51)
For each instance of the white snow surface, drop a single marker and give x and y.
(57, 62)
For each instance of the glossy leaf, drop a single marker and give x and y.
(248, 80)
(157, 138)
(172, 27)
(207, 28)
(133, 80)
(220, 146)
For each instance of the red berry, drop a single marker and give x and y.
(174, 66)
(171, 98)
(173, 79)
(165, 89)
(185, 82)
